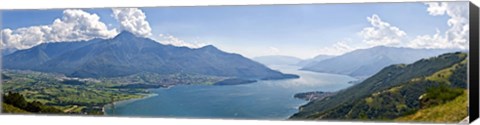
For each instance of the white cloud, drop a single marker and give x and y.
(436, 8)
(455, 37)
(273, 50)
(74, 25)
(381, 33)
(133, 20)
(459, 23)
(338, 48)
(430, 42)
(171, 40)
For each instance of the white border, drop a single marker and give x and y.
(47, 4)
(70, 120)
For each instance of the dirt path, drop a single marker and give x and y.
(70, 109)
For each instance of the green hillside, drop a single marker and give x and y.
(396, 91)
(16, 103)
(6, 108)
(452, 111)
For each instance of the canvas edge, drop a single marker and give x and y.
(473, 69)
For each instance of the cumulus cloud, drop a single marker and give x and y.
(436, 8)
(74, 25)
(430, 41)
(133, 20)
(172, 40)
(381, 33)
(456, 36)
(337, 48)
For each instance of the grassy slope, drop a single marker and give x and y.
(6, 108)
(458, 106)
(443, 76)
(402, 100)
(338, 106)
(452, 111)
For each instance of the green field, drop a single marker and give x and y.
(80, 96)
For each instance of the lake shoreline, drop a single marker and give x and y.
(104, 108)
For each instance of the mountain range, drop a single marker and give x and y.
(290, 60)
(314, 60)
(277, 60)
(127, 54)
(363, 63)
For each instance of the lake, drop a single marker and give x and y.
(271, 99)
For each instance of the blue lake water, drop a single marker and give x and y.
(272, 99)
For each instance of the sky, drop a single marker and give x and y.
(302, 31)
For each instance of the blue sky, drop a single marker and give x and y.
(302, 31)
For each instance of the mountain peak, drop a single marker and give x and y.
(382, 47)
(125, 34)
(209, 47)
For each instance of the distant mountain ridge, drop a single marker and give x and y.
(366, 62)
(277, 60)
(314, 60)
(6, 51)
(127, 54)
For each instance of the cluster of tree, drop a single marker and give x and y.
(5, 77)
(73, 82)
(458, 78)
(82, 103)
(95, 110)
(439, 95)
(136, 86)
(17, 100)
